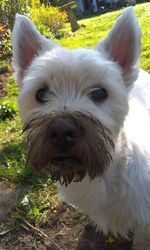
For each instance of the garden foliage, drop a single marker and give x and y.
(9, 8)
(7, 110)
(47, 18)
(47, 15)
(5, 46)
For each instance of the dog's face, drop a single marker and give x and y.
(73, 102)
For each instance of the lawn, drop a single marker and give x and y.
(38, 203)
(97, 28)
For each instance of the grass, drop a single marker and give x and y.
(12, 147)
(98, 27)
(4, 67)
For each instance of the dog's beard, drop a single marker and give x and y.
(90, 156)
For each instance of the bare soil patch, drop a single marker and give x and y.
(65, 229)
(61, 232)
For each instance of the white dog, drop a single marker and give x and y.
(86, 113)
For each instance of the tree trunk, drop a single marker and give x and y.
(73, 21)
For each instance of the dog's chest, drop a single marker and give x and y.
(118, 200)
(106, 203)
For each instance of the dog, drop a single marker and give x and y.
(86, 115)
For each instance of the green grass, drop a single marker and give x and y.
(12, 156)
(98, 27)
(12, 147)
(4, 67)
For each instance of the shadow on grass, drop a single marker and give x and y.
(96, 14)
(88, 14)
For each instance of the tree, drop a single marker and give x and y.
(67, 6)
(72, 18)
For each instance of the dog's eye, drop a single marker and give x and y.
(98, 95)
(40, 95)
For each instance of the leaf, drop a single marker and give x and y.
(4, 231)
(25, 200)
(36, 211)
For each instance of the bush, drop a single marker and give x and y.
(4, 67)
(44, 30)
(48, 15)
(7, 110)
(9, 8)
(5, 44)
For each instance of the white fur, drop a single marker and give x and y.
(119, 201)
(24, 35)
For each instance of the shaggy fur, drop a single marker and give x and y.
(113, 188)
(86, 158)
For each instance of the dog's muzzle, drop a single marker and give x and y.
(63, 134)
(68, 146)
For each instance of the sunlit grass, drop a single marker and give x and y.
(97, 28)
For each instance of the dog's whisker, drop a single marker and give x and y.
(33, 138)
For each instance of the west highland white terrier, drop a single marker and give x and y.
(86, 113)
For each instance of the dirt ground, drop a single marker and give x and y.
(64, 232)
(66, 229)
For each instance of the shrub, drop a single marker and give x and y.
(7, 110)
(44, 30)
(9, 8)
(4, 67)
(48, 15)
(5, 44)
(7, 15)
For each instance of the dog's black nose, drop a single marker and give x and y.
(63, 134)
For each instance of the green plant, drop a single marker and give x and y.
(44, 30)
(9, 8)
(48, 15)
(4, 67)
(7, 110)
(12, 89)
(39, 200)
(5, 44)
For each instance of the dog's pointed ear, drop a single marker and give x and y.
(123, 45)
(27, 43)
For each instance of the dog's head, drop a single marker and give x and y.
(73, 102)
